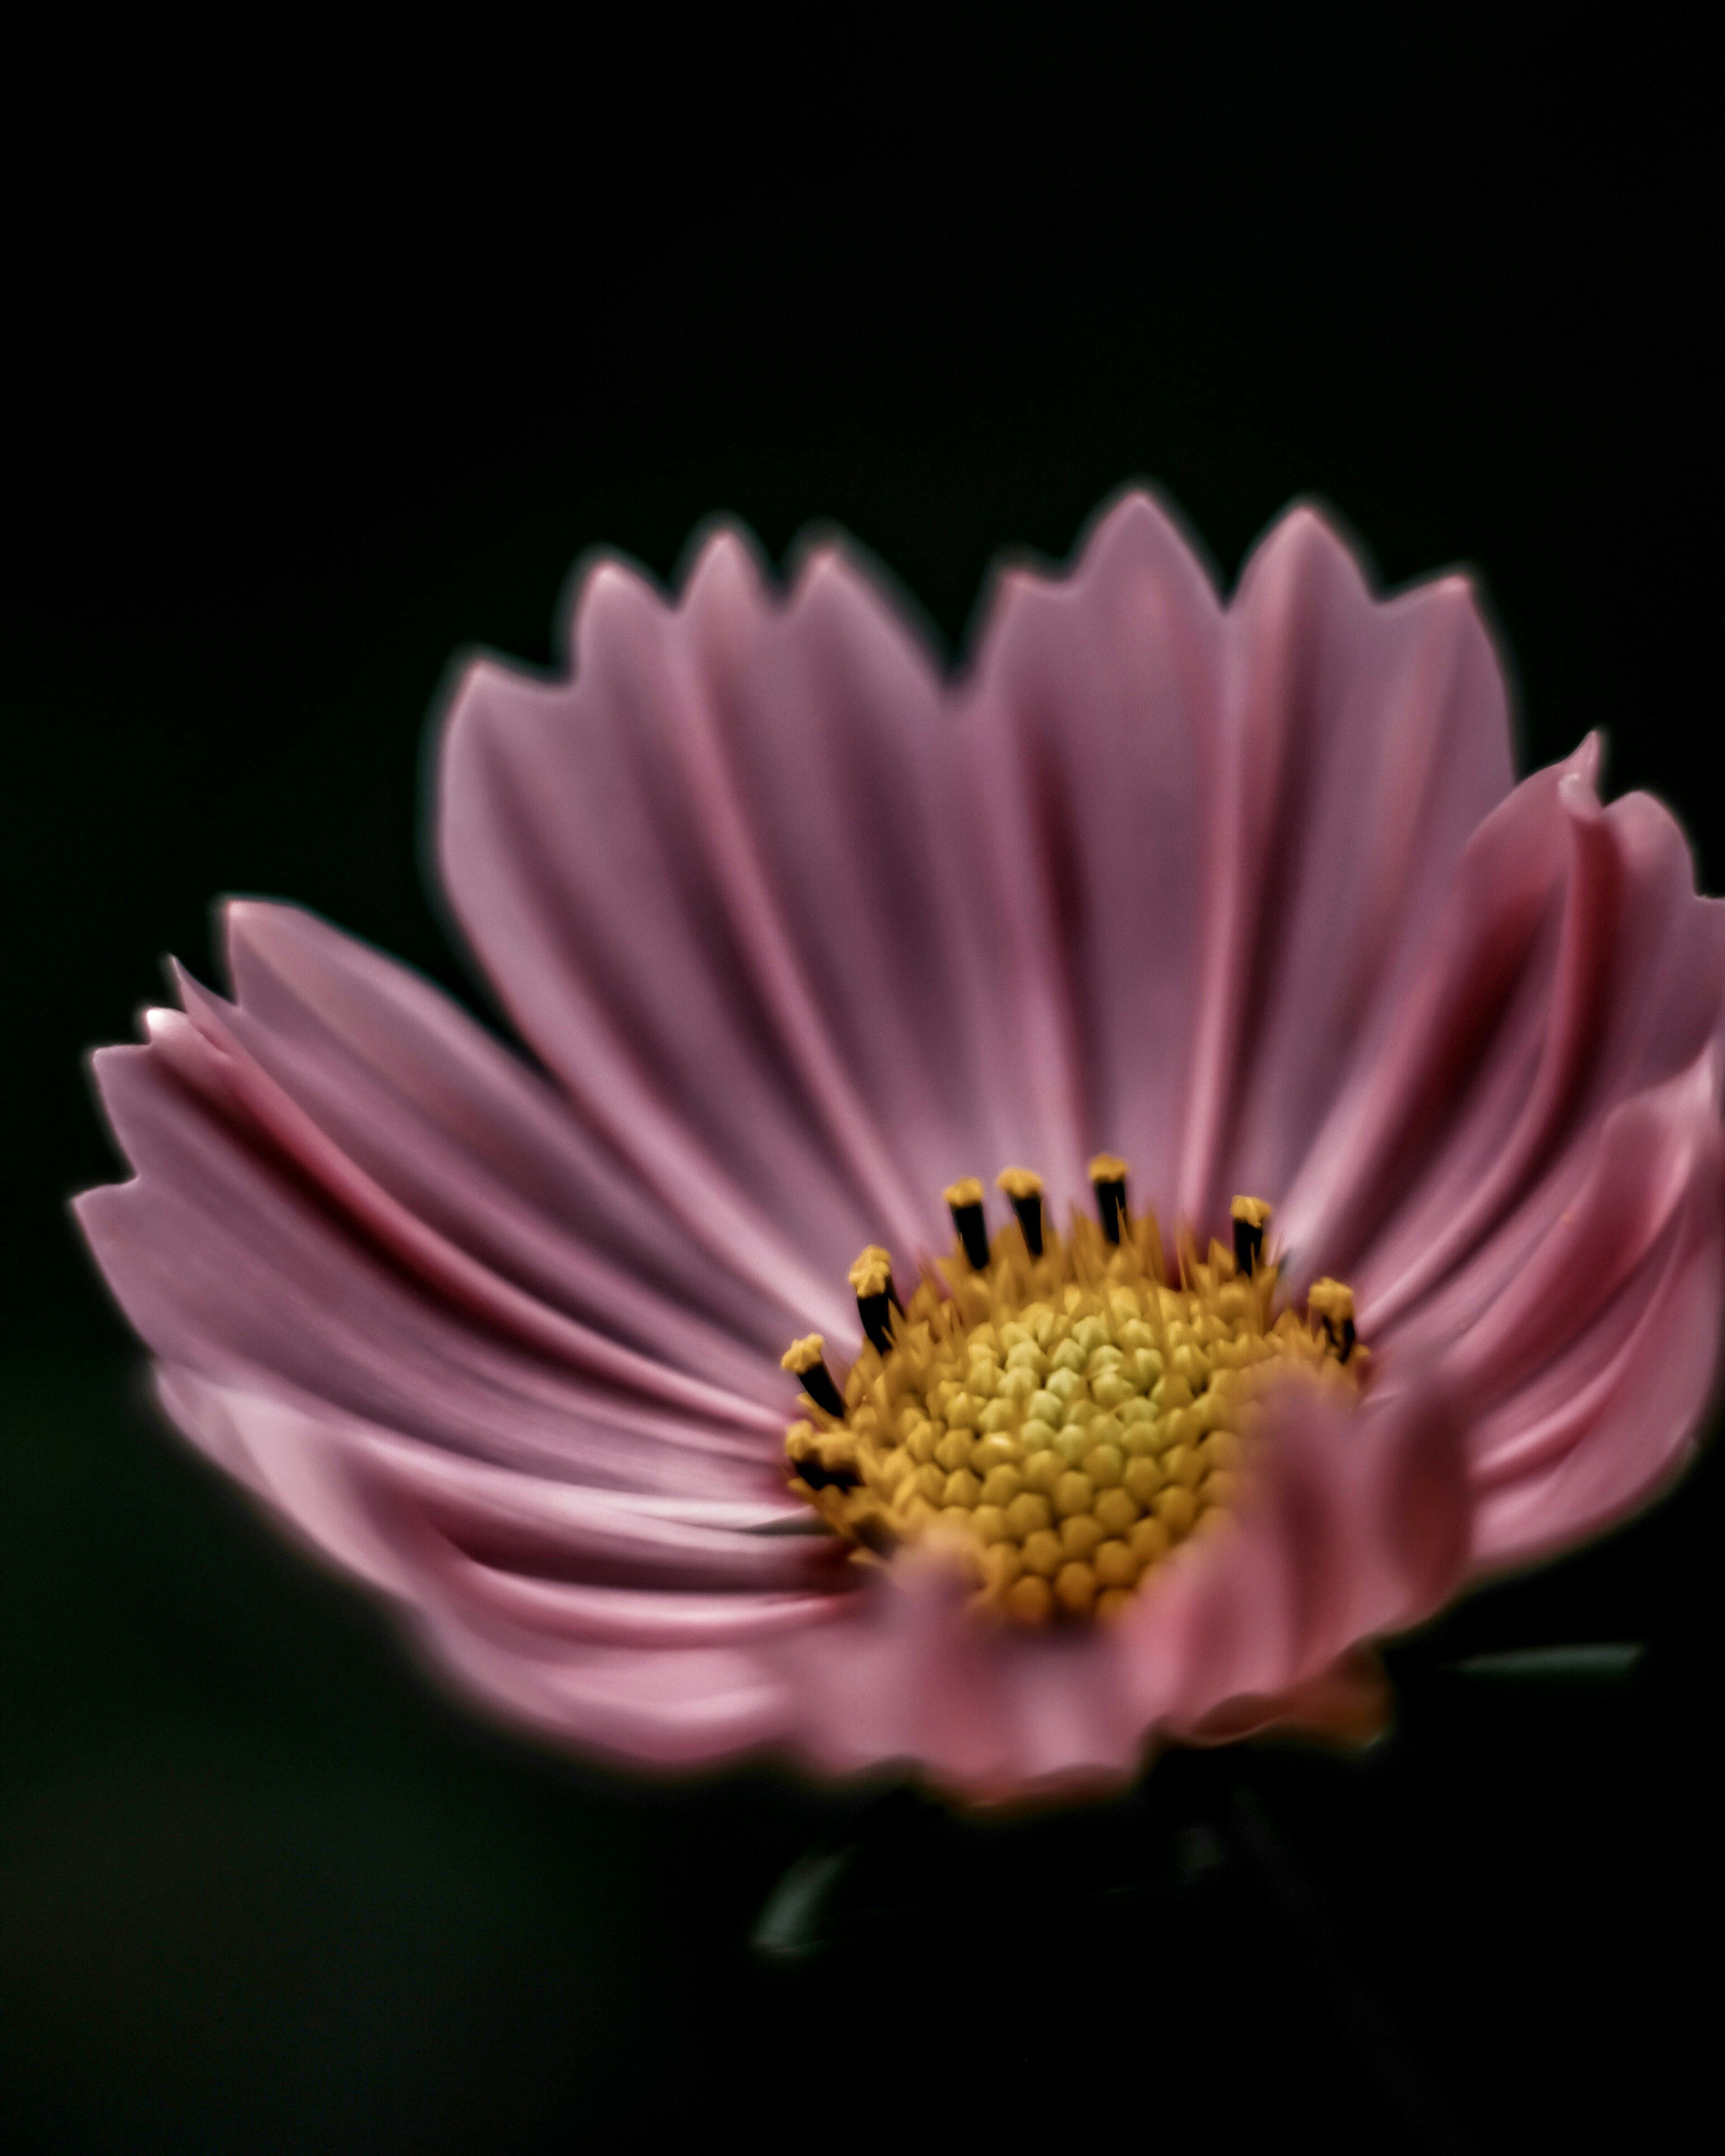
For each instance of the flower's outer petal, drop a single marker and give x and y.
(1599, 1451)
(1365, 741)
(1527, 1184)
(1574, 966)
(486, 1151)
(713, 878)
(1092, 721)
(1462, 1002)
(850, 794)
(1350, 1704)
(1360, 1526)
(1587, 1338)
(246, 1244)
(910, 1679)
(626, 1631)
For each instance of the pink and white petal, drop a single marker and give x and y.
(403, 1512)
(1641, 1427)
(224, 1261)
(1093, 725)
(834, 765)
(660, 1675)
(1555, 1267)
(1576, 966)
(471, 1141)
(1349, 1704)
(1423, 1088)
(1360, 1525)
(653, 1707)
(1362, 742)
(1593, 1364)
(1625, 986)
(596, 846)
(908, 1677)
(206, 1058)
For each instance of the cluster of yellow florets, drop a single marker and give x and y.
(1061, 1420)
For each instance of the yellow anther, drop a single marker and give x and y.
(872, 1273)
(1332, 1304)
(1330, 1301)
(1054, 1413)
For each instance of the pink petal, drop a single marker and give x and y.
(1361, 1527)
(671, 1678)
(1574, 965)
(442, 1118)
(1589, 1342)
(225, 1262)
(1094, 726)
(1361, 743)
(598, 844)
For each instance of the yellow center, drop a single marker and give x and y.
(1058, 1417)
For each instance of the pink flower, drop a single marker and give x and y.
(800, 932)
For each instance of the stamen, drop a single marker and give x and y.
(965, 1199)
(824, 1461)
(1024, 1187)
(871, 1277)
(1107, 1174)
(1331, 1301)
(1251, 1217)
(1058, 1412)
(805, 1359)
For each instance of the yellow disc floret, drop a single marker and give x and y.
(1058, 1412)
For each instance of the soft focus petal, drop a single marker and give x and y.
(225, 1260)
(1590, 1350)
(1360, 1527)
(1094, 719)
(1573, 966)
(612, 847)
(658, 1662)
(482, 1149)
(1366, 740)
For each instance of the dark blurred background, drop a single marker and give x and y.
(326, 363)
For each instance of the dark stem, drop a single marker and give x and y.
(1366, 2025)
(1111, 1208)
(974, 1234)
(1030, 1214)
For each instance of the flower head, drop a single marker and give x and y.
(1355, 1113)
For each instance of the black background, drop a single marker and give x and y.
(326, 364)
